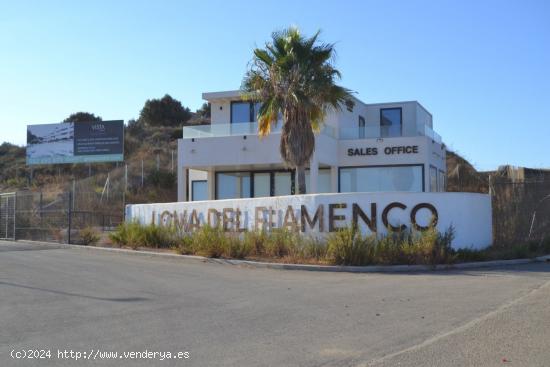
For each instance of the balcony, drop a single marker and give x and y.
(237, 129)
(375, 132)
(345, 133)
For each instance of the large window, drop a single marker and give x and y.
(262, 184)
(283, 183)
(390, 122)
(323, 181)
(244, 111)
(387, 178)
(233, 185)
(199, 190)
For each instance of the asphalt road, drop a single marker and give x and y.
(223, 315)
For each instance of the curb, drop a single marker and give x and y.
(304, 267)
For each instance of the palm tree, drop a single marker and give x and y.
(294, 77)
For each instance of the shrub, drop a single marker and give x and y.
(183, 245)
(255, 240)
(157, 236)
(208, 241)
(348, 247)
(307, 249)
(162, 179)
(278, 242)
(128, 234)
(236, 247)
(88, 236)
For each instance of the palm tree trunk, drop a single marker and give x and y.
(301, 173)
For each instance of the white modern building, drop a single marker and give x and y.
(380, 147)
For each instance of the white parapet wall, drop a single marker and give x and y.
(470, 214)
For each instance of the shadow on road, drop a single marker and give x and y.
(117, 299)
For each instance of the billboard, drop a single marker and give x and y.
(75, 142)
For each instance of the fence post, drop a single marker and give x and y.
(40, 209)
(70, 217)
(14, 215)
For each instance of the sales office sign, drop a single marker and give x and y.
(389, 150)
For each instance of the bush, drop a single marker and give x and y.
(348, 247)
(279, 242)
(344, 247)
(128, 234)
(183, 245)
(255, 240)
(162, 179)
(236, 247)
(88, 236)
(209, 241)
(158, 237)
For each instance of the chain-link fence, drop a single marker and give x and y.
(7, 216)
(521, 205)
(521, 210)
(59, 217)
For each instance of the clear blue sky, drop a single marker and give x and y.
(481, 67)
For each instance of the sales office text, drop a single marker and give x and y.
(393, 150)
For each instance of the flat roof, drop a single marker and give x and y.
(236, 94)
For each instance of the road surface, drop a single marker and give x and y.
(81, 301)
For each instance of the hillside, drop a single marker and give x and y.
(147, 149)
(463, 177)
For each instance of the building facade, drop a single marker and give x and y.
(381, 147)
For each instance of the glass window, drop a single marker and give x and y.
(199, 190)
(256, 111)
(232, 185)
(323, 181)
(361, 127)
(262, 184)
(390, 122)
(244, 111)
(240, 112)
(368, 179)
(283, 183)
(433, 179)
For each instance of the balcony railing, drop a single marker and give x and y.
(345, 133)
(219, 130)
(237, 129)
(375, 132)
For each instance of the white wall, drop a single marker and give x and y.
(469, 214)
(220, 116)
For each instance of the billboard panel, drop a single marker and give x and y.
(80, 142)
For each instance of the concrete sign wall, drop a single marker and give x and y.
(468, 213)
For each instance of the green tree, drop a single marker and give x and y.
(294, 77)
(204, 111)
(166, 111)
(82, 117)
